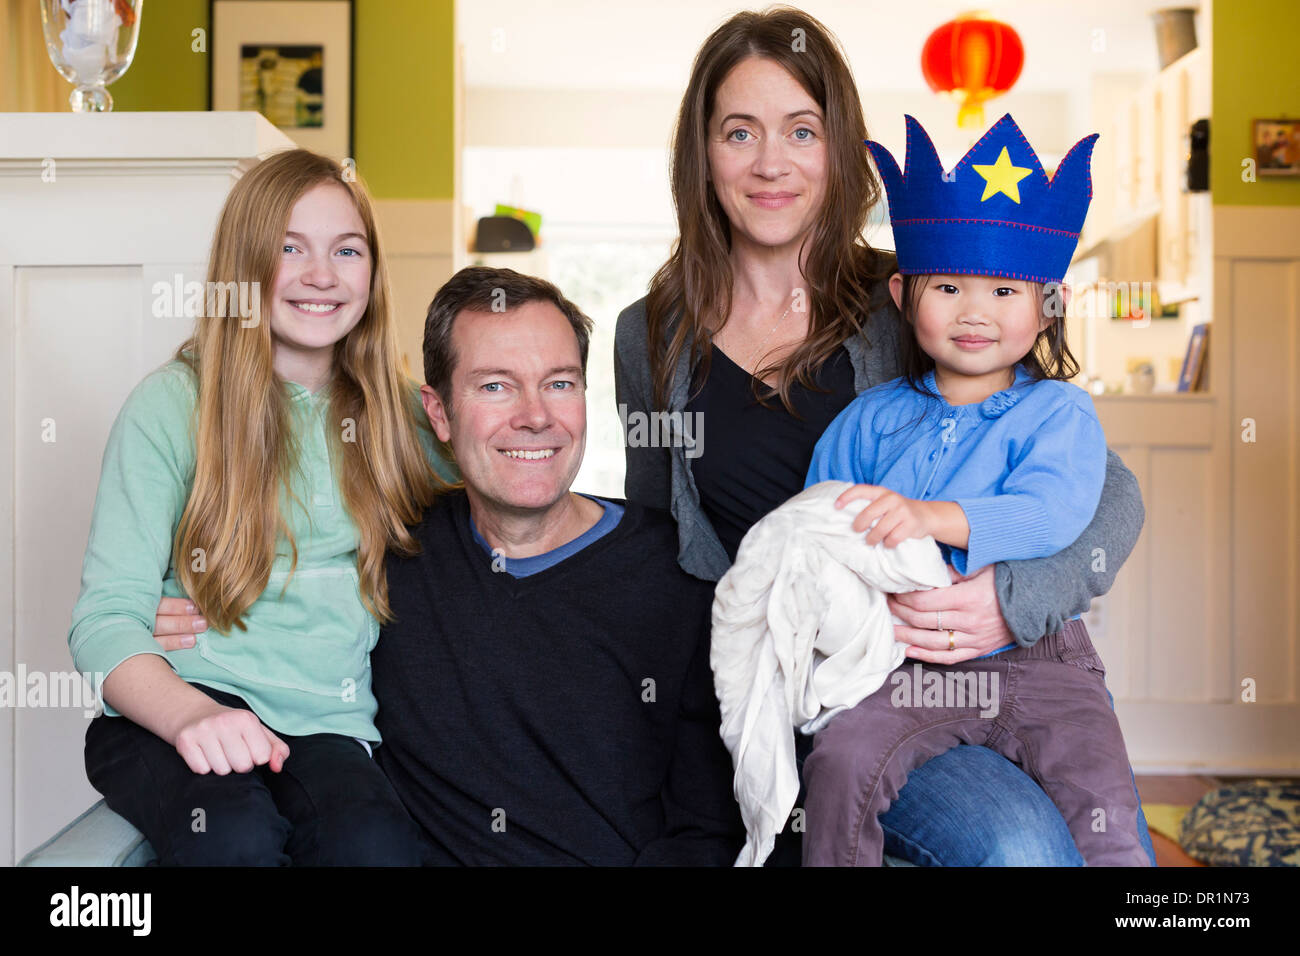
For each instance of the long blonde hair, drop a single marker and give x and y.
(245, 450)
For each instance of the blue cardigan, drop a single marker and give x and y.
(1026, 465)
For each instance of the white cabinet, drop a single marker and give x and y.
(1149, 134)
(1183, 89)
(1146, 148)
(1123, 136)
(1172, 88)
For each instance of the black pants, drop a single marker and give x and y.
(330, 804)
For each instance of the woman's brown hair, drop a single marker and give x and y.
(245, 453)
(841, 270)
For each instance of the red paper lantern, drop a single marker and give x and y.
(972, 59)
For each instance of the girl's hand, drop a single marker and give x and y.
(900, 518)
(176, 624)
(219, 739)
(214, 738)
(969, 607)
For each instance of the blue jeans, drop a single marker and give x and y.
(973, 807)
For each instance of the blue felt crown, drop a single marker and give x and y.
(995, 214)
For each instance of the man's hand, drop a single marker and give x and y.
(176, 624)
(969, 607)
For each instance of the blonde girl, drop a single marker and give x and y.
(261, 473)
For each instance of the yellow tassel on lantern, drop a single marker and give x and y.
(972, 59)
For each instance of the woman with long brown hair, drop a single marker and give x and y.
(262, 473)
(771, 314)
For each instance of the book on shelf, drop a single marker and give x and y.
(1195, 375)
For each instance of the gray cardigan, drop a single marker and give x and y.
(1036, 596)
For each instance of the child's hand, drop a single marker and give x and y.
(899, 518)
(220, 739)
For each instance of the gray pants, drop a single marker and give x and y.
(1045, 708)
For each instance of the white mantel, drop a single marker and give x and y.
(101, 138)
(154, 180)
(132, 200)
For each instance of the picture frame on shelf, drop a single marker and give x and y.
(1276, 147)
(1194, 377)
(291, 61)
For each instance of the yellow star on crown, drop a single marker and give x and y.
(1002, 177)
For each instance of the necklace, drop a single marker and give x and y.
(755, 353)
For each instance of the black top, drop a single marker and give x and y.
(755, 457)
(566, 717)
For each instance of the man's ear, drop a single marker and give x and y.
(896, 289)
(437, 412)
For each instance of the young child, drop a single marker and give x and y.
(983, 445)
(262, 473)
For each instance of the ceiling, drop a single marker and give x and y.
(649, 44)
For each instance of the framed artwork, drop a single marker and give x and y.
(1277, 147)
(291, 61)
(1194, 376)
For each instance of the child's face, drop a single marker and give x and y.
(975, 325)
(323, 283)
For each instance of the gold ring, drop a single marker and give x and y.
(952, 641)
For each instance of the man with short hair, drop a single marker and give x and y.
(545, 692)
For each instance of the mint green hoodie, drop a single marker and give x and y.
(303, 664)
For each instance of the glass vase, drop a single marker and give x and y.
(91, 43)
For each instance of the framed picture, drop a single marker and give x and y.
(1194, 377)
(291, 61)
(1277, 147)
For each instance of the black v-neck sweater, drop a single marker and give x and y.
(566, 717)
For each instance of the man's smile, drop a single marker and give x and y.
(528, 454)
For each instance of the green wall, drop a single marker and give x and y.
(1255, 77)
(166, 74)
(405, 109)
(404, 112)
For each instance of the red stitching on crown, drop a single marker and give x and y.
(907, 157)
(1038, 165)
(969, 270)
(1087, 166)
(992, 222)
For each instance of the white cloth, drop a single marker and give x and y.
(801, 631)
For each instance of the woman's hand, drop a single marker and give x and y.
(219, 739)
(176, 624)
(900, 518)
(969, 607)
